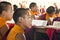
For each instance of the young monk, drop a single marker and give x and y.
(5, 14)
(49, 16)
(34, 9)
(22, 21)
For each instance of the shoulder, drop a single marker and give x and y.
(57, 19)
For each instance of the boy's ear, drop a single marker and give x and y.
(3, 13)
(20, 19)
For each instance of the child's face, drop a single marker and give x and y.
(35, 8)
(27, 20)
(51, 14)
(9, 13)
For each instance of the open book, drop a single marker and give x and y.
(56, 23)
(39, 22)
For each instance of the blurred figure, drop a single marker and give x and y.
(23, 4)
(5, 15)
(57, 16)
(49, 15)
(15, 7)
(56, 7)
(22, 21)
(42, 10)
(20, 5)
(33, 9)
(57, 13)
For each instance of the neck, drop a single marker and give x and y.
(3, 17)
(33, 10)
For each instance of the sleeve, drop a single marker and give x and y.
(19, 37)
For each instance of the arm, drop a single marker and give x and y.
(3, 30)
(19, 37)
